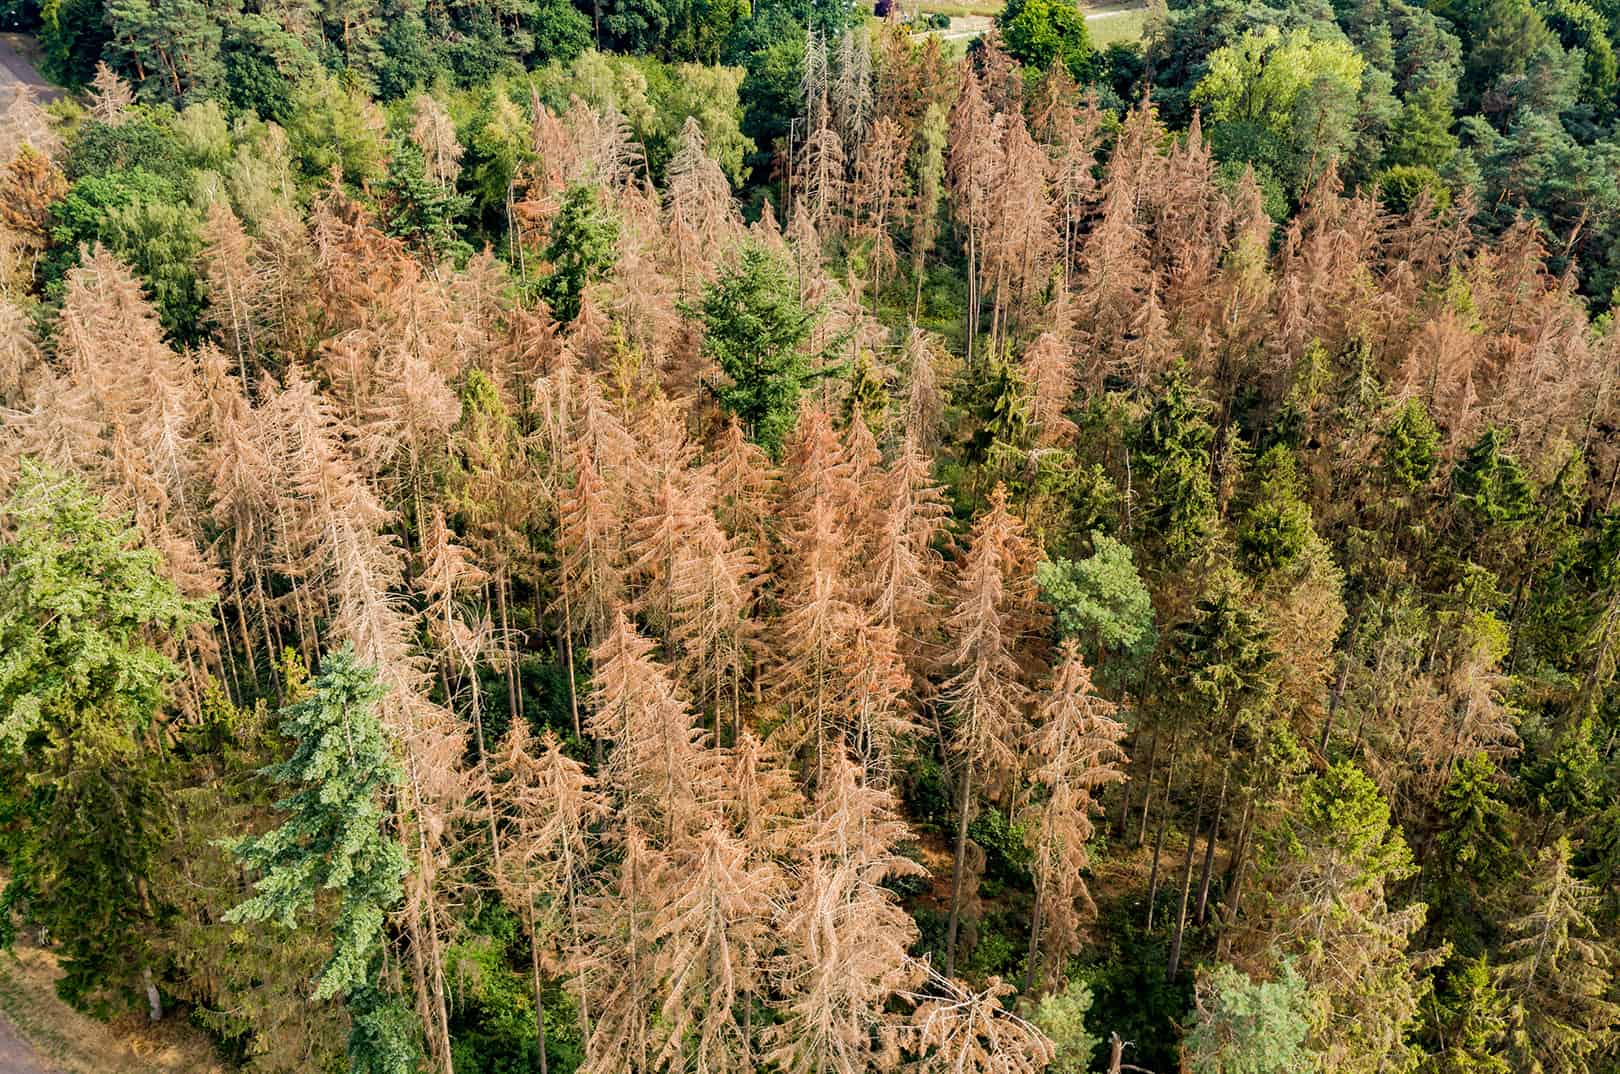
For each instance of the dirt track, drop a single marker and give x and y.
(16, 1057)
(15, 67)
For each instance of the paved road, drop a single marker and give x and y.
(14, 68)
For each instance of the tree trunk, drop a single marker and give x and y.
(1164, 819)
(1174, 963)
(512, 693)
(1147, 794)
(1034, 944)
(154, 998)
(1342, 678)
(1215, 828)
(965, 798)
(539, 1009)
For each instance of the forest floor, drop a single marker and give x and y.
(39, 1034)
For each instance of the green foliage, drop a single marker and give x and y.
(1276, 528)
(560, 31)
(1171, 446)
(583, 248)
(1245, 1026)
(81, 690)
(1468, 1022)
(160, 241)
(73, 35)
(755, 329)
(1422, 136)
(82, 216)
(1474, 855)
(998, 403)
(1490, 485)
(1100, 599)
(335, 130)
(255, 82)
(1038, 33)
(1411, 447)
(333, 838)
(769, 92)
(382, 1033)
(1302, 91)
(204, 136)
(419, 210)
(1061, 1015)
(1585, 31)
(1400, 186)
(101, 149)
(656, 98)
(1218, 663)
(1006, 850)
(1344, 821)
(140, 217)
(1517, 64)
(171, 49)
(1564, 181)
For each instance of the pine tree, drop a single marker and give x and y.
(342, 770)
(1556, 972)
(1249, 1027)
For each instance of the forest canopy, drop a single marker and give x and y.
(638, 537)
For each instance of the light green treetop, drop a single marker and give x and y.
(1261, 76)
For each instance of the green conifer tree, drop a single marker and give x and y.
(756, 329)
(1467, 1017)
(1558, 973)
(584, 240)
(334, 839)
(1171, 447)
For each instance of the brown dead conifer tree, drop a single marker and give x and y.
(712, 928)
(1020, 242)
(974, 167)
(993, 611)
(1075, 746)
(958, 1030)
(1049, 375)
(550, 806)
(845, 938)
(434, 133)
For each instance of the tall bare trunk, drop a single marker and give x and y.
(965, 796)
(1179, 934)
